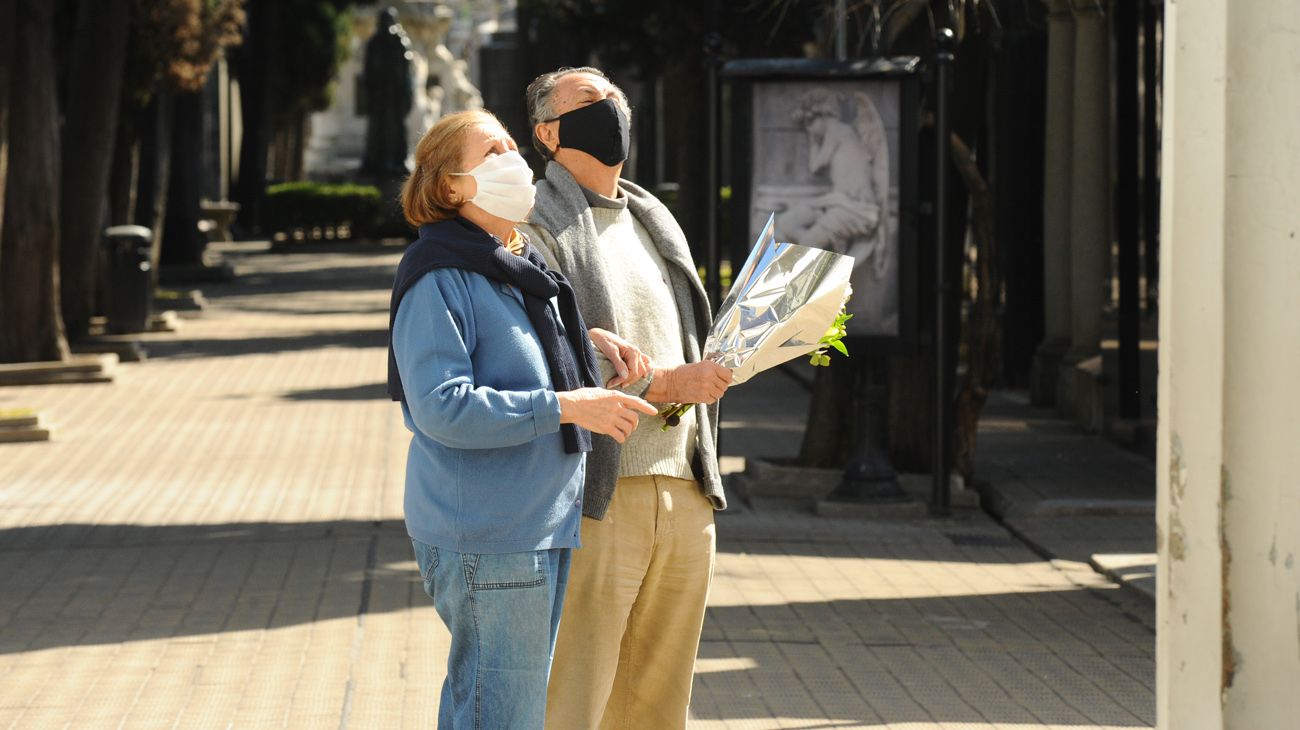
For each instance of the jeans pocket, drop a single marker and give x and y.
(426, 558)
(505, 571)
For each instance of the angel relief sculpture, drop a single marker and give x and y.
(852, 217)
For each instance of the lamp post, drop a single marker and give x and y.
(869, 476)
(939, 497)
(713, 277)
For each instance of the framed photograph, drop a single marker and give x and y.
(830, 148)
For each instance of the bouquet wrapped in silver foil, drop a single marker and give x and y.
(782, 303)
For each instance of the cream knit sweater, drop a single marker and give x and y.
(645, 314)
(562, 228)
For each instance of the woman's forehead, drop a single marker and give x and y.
(488, 132)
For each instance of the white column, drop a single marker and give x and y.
(1228, 645)
(1261, 401)
(1056, 200)
(1089, 189)
(222, 70)
(1189, 449)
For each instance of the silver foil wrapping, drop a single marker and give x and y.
(782, 301)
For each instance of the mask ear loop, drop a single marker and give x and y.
(455, 197)
(471, 174)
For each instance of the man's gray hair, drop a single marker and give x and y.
(538, 98)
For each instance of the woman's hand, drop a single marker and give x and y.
(629, 363)
(603, 411)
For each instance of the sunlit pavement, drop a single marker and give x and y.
(215, 540)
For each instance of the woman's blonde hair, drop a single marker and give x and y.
(426, 196)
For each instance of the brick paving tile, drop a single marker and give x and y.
(215, 541)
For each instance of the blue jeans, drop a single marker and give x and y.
(503, 612)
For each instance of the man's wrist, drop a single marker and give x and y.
(661, 386)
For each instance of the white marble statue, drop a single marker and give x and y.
(440, 84)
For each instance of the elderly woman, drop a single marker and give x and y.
(498, 384)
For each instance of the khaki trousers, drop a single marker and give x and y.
(631, 623)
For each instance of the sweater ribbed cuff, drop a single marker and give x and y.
(546, 411)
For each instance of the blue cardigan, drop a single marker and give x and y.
(486, 471)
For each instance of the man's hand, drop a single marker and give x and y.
(630, 364)
(603, 411)
(698, 382)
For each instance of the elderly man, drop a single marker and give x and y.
(637, 589)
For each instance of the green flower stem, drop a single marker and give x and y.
(832, 340)
(672, 414)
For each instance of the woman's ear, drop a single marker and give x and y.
(458, 189)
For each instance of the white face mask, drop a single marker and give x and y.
(505, 186)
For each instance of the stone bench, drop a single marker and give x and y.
(222, 213)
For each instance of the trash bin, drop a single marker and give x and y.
(130, 278)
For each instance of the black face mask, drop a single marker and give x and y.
(599, 129)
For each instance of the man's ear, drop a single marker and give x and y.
(548, 135)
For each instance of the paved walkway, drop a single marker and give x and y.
(215, 541)
(1069, 494)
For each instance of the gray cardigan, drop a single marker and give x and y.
(562, 217)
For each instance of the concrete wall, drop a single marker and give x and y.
(1228, 647)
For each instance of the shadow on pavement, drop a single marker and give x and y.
(368, 391)
(1047, 656)
(329, 276)
(234, 347)
(250, 307)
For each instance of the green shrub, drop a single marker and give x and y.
(308, 204)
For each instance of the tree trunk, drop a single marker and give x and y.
(277, 156)
(94, 89)
(256, 105)
(911, 412)
(182, 243)
(155, 169)
(124, 175)
(288, 144)
(301, 134)
(984, 329)
(833, 429)
(31, 325)
(686, 135)
(7, 18)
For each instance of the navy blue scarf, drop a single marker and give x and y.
(459, 244)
